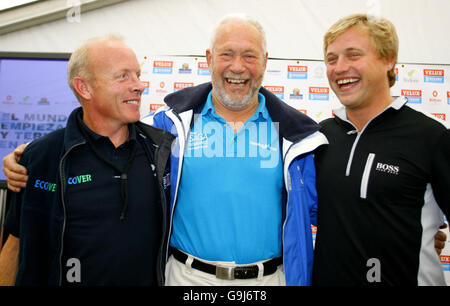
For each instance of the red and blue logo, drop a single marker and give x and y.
(277, 91)
(185, 69)
(181, 85)
(433, 75)
(202, 69)
(413, 95)
(163, 67)
(297, 72)
(296, 95)
(319, 93)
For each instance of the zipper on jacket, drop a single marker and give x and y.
(180, 167)
(358, 136)
(62, 190)
(352, 152)
(366, 175)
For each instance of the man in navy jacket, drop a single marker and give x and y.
(93, 211)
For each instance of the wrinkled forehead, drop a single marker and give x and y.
(243, 34)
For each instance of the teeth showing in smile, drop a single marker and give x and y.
(347, 81)
(236, 81)
(132, 102)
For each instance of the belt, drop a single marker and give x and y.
(230, 273)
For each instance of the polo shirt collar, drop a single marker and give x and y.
(95, 137)
(261, 111)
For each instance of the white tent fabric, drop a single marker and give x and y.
(294, 27)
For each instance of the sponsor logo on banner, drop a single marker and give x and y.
(163, 67)
(26, 101)
(411, 76)
(162, 88)
(319, 93)
(273, 72)
(319, 73)
(433, 75)
(297, 72)
(396, 74)
(413, 95)
(448, 97)
(185, 69)
(154, 107)
(147, 86)
(445, 261)
(202, 68)
(181, 85)
(296, 95)
(435, 97)
(314, 232)
(43, 101)
(276, 90)
(439, 116)
(8, 100)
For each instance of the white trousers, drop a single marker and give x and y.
(182, 274)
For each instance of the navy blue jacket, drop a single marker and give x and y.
(43, 214)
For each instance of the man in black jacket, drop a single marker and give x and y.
(383, 179)
(85, 218)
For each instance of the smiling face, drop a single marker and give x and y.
(237, 63)
(114, 93)
(355, 71)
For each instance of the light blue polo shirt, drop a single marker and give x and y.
(229, 199)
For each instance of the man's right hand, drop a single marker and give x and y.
(16, 174)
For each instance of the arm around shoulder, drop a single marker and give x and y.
(9, 261)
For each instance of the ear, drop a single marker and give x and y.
(208, 57)
(266, 57)
(82, 88)
(391, 63)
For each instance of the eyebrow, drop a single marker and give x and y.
(346, 50)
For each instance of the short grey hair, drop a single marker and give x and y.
(240, 18)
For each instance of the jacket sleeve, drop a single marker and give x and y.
(300, 215)
(309, 180)
(159, 119)
(440, 172)
(12, 219)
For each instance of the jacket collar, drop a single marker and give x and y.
(293, 125)
(73, 134)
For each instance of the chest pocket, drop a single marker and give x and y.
(393, 180)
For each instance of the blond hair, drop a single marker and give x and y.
(79, 61)
(381, 31)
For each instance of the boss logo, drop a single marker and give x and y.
(388, 168)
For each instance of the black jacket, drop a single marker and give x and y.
(42, 226)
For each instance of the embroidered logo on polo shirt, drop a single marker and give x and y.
(387, 168)
(43, 185)
(79, 179)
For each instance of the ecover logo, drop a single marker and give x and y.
(43, 185)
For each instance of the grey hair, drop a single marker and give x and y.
(79, 60)
(240, 18)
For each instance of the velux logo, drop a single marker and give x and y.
(388, 168)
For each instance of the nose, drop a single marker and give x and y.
(138, 86)
(342, 65)
(237, 65)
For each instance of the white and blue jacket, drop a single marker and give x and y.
(299, 136)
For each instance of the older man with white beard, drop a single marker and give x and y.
(242, 172)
